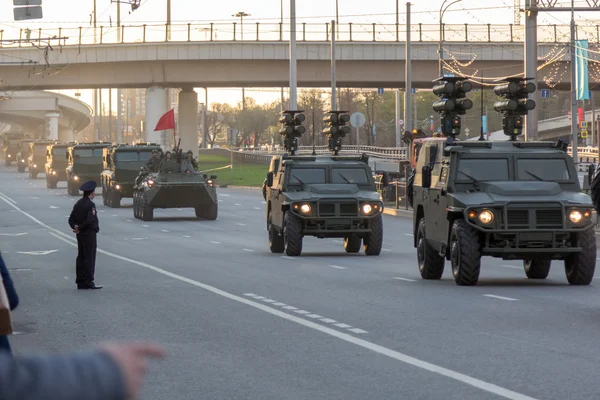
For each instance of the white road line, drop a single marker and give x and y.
(240, 224)
(338, 241)
(19, 269)
(343, 325)
(511, 266)
(408, 234)
(290, 258)
(336, 267)
(279, 304)
(357, 330)
(301, 312)
(290, 308)
(139, 238)
(328, 320)
(114, 215)
(128, 220)
(259, 297)
(146, 226)
(405, 279)
(224, 195)
(385, 250)
(248, 250)
(250, 294)
(215, 242)
(186, 236)
(493, 296)
(164, 230)
(396, 355)
(53, 207)
(13, 234)
(269, 301)
(236, 204)
(315, 316)
(257, 208)
(8, 199)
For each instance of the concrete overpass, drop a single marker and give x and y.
(63, 116)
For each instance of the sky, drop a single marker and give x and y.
(78, 13)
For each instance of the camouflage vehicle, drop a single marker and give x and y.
(84, 164)
(56, 164)
(171, 187)
(37, 156)
(121, 165)
(10, 146)
(23, 154)
(508, 200)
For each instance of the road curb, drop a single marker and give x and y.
(398, 212)
(239, 187)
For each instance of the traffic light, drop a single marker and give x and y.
(453, 103)
(514, 104)
(336, 129)
(292, 129)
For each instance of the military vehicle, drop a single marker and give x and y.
(84, 164)
(507, 199)
(121, 165)
(23, 154)
(327, 196)
(37, 156)
(56, 164)
(172, 187)
(10, 146)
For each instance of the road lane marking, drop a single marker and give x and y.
(215, 242)
(290, 258)
(8, 199)
(114, 215)
(279, 304)
(340, 325)
(315, 316)
(146, 226)
(186, 236)
(328, 320)
(236, 204)
(269, 301)
(224, 195)
(37, 253)
(336, 267)
(408, 234)
(357, 330)
(511, 266)
(13, 234)
(53, 207)
(405, 279)
(257, 208)
(385, 249)
(303, 312)
(128, 220)
(248, 250)
(493, 296)
(164, 230)
(240, 224)
(390, 353)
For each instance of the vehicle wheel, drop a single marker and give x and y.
(20, 168)
(104, 196)
(74, 190)
(7, 161)
(276, 242)
(135, 206)
(537, 269)
(352, 244)
(48, 184)
(292, 235)
(465, 254)
(373, 242)
(114, 199)
(147, 211)
(580, 267)
(431, 264)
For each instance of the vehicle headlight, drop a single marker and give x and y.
(305, 208)
(575, 216)
(22, 160)
(210, 182)
(34, 165)
(53, 172)
(117, 186)
(367, 208)
(75, 178)
(486, 217)
(150, 182)
(9, 156)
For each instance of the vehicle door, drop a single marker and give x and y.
(438, 197)
(275, 196)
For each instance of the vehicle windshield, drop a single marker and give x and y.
(87, 153)
(39, 150)
(349, 175)
(299, 176)
(59, 152)
(132, 156)
(537, 169)
(482, 169)
(13, 141)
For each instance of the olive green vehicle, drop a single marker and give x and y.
(121, 165)
(326, 196)
(508, 200)
(10, 146)
(56, 164)
(84, 164)
(23, 154)
(173, 188)
(36, 162)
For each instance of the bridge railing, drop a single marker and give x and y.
(72, 35)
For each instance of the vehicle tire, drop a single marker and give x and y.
(373, 242)
(276, 242)
(48, 184)
(74, 190)
(33, 175)
(114, 199)
(292, 235)
(537, 269)
(465, 254)
(20, 168)
(147, 211)
(431, 264)
(135, 205)
(7, 161)
(352, 244)
(580, 267)
(104, 196)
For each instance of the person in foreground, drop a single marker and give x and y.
(84, 223)
(112, 372)
(13, 300)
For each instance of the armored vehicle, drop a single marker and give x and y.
(23, 154)
(172, 187)
(10, 146)
(121, 164)
(84, 164)
(56, 164)
(509, 200)
(37, 156)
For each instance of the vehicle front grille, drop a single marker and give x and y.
(348, 209)
(549, 218)
(517, 219)
(326, 209)
(340, 209)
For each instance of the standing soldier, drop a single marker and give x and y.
(153, 162)
(84, 222)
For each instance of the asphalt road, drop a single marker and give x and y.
(240, 322)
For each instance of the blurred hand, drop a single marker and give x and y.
(131, 358)
(76, 229)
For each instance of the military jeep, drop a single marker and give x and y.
(84, 164)
(509, 200)
(56, 164)
(10, 146)
(23, 154)
(36, 161)
(327, 196)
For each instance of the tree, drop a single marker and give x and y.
(215, 121)
(313, 104)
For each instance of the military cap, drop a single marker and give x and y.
(190, 152)
(89, 186)
(154, 151)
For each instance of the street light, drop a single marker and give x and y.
(241, 16)
(443, 9)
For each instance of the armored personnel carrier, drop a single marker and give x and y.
(173, 188)
(327, 196)
(121, 164)
(84, 164)
(10, 146)
(23, 154)
(36, 161)
(56, 164)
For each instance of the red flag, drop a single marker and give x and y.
(167, 121)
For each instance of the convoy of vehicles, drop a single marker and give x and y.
(84, 164)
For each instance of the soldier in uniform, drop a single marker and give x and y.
(191, 159)
(84, 222)
(153, 162)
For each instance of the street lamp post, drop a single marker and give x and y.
(443, 9)
(241, 16)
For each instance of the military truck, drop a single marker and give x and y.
(56, 164)
(508, 200)
(10, 146)
(84, 164)
(121, 165)
(23, 154)
(171, 187)
(37, 157)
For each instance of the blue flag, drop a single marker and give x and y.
(581, 65)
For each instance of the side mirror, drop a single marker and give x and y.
(213, 177)
(205, 176)
(591, 171)
(270, 179)
(426, 177)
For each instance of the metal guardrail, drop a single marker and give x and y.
(73, 35)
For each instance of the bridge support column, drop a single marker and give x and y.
(66, 135)
(156, 106)
(531, 65)
(52, 118)
(187, 128)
